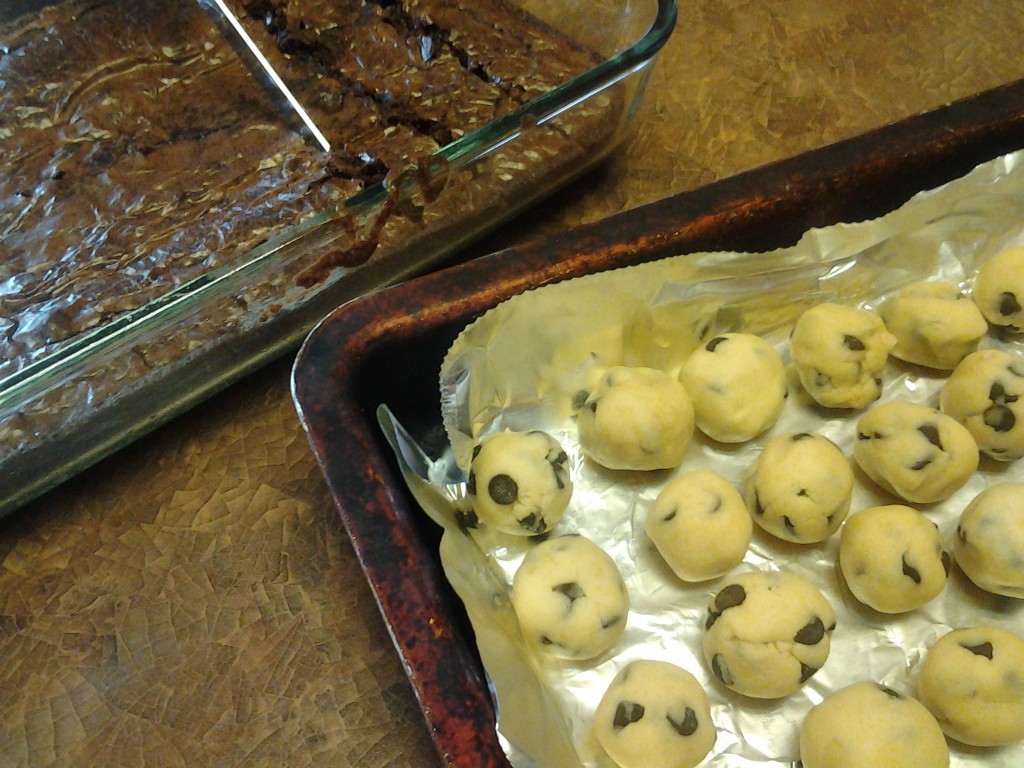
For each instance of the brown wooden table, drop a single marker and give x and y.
(193, 600)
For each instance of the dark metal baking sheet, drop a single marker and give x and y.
(386, 348)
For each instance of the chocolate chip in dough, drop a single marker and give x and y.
(730, 597)
(931, 434)
(811, 633)
(712, 345)
(1008, 304)
(999, 418)
(720, 670)
(853, 343)
(982, 649)
(503, 489)
(806, 672)
(686, 726)
(627, 713)
(912, 573)
(571, 590)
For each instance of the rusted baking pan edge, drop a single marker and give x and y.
(387, 348)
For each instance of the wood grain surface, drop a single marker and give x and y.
(193, 600)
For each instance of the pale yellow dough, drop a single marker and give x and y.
(972, 681)
(519, 482)
(985, 393)
(767, 633)
(569, 598)
(839, 353)
(935, 325)
(867, 725)
(800, 487)
(636, 418)
(999, 289)
(892, 558)
(737, 384)
(700, 526)
(915, 452)
(655, 715)
(989, 545)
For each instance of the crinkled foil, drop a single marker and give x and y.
(521, 366)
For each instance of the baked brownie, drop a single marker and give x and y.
(139, 153)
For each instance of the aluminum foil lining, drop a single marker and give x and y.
(521, 365)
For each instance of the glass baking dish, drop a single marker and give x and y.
(65, 405)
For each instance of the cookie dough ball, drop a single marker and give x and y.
(655, 715)
(867, 724)
(999, 289)
(569, 598)
(636, 418)
(767, 633)
(934, 324)
(892, 558)
(989, 545)
(700, 525)
(985, 393)
(915, 452)
(839, 353)
(800, 487)
(737, 384)
(519, 482)
(972, 680)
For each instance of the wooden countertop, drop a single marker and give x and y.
(193, 600)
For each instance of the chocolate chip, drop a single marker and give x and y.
(713, 344)
(811, 633)
(685, 727)
(919, 465)
(730, 597)
(471, 484)
(997, 393)
(720, 670)
(806, 672)
(890, 692)
(476, 450)
(911, 572)
(611, 622)
(1008, 304)
(558, 463)
(981, 649)
(788, 523)
(593, 407)
(579, 399)
(626, 713)
(853, 343)
(758, 506)
(801, 436)
(999, 418)
(467, 520)
(533, 522)
(570, 589)
(931, 434)
(503, 489)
